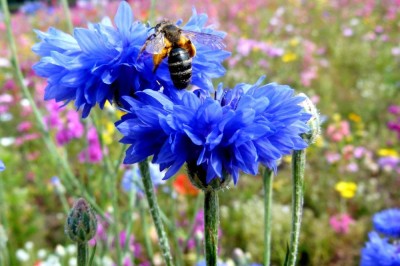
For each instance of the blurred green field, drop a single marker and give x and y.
(345, 55)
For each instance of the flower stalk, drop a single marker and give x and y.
(83, 254)
(211, 221)
(298, 167)
(268, 180)
(155, 212)
(67, 14)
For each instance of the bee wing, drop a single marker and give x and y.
(156, 44)
(213, 41)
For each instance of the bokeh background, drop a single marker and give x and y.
(344, 54)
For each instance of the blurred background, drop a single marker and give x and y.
(344, 54)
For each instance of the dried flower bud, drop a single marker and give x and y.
(81, 222)
(314, 122)
(197, 176)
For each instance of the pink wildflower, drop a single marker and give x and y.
(341, 223)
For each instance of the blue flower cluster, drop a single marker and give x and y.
(102, 63)
(235, 130)
(2, 167)
(218, 132)
(380, 251)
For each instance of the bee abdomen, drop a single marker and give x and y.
(180, 67)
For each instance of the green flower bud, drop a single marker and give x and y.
(314, 122)
(81, 224)
(197, 176)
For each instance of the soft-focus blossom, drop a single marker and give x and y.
(22, 255)
(341, 223)
(183, 186)
(387, 222)
(347, 32)
(332, 157)
(132, 178)
(30, 8)
(379, 252)
(388, 153)
(102, 63)
(93, 153)
(237, 130)
(389, 163)
(2, 167)
(338, 131)
(346, 189)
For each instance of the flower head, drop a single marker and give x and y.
(2, 167)
(102, 63)
(81, 224)
(235, 130)
(379, 252)
(95, 64)
(387, 222)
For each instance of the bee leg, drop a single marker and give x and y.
(190, 48)
(157, 58)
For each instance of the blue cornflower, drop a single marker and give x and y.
(96, 64)
(235, 130)
(2, 167)
(379, 252)
(102, 63)
(387, 222)
(131, 178)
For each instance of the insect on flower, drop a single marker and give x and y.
(176, 43)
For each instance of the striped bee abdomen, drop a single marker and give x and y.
(180, 67)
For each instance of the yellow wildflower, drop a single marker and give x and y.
(120, 113)
(294, 42)
(319, 142)
(388, 153)
(346, 189)
(336, 117)
(107, 135)
(287, 159)
(355, 117)
(289, 57)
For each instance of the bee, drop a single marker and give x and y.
(176, 43)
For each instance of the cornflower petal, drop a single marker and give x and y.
(237, 130)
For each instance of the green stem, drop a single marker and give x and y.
(147, 241)
(211, 221)
(67, 14)
(268, 180)
(3, 223)
(132, 202)
(71, 179)
(114, 200)
(298, 166)
(155, 212)
(82, 254)
(152, 11)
